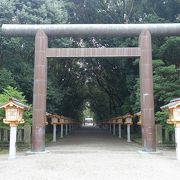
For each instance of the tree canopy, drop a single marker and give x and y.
(109, 85)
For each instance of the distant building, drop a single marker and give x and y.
(88, 121)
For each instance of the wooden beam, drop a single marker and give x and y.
(93, 52)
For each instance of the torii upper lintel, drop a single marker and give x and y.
(91, 30)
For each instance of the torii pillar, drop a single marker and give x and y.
(146, 89)
(39, 92)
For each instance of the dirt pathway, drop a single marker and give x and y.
(91, 154)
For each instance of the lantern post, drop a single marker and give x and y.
(119, 122)
(13, 116)
(114, 126)
(128, 121)
(54, 122)
(138, 115)
(174, 118)
(66, 121)
(48, 115)
(61, 122)
(110, 128)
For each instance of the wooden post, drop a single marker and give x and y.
(5, 135)
(62, 130)
(54, 132)
(19, 135)
(128, 132)
(158, 133)
(0, 134)
(27, 133)
(69, 127)
(66, 129)
(39, 92)
(146, 90)
(119, 125)
(114, 129)
(177, 140)
(12, 146)
(166, 135)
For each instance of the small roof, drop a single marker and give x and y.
(53, 115)
(89, 118)
(117, 117)
(138, 113)
(48, 114)
(127, 115)
(173, 104)
(12, 101)
(63, 117)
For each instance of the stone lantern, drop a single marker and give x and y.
(139, 118)
(110, 122)
(61, 122)
(66, 122)
(119, 122)
(13, 116)
(128, 120)
(174, 118)
(54, 122)
(69, 125)
(104, 124)
(47, 115)
(114, 126)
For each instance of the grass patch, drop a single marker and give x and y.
(3, 151)
(20, 146)
(48, 138)
(136, 138)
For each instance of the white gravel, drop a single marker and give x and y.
(91, 154)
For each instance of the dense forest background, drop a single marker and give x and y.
(106, 86)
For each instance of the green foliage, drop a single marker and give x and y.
(6, 10)
(13, 92)
(43, 11)
(168, 9)
(135, 97)
(87, 111)
(110, 85)
(161, 118)
(101, 105)
(166, 87)
(170, 50)
(166, 83)
(6, 79)
(23, 75)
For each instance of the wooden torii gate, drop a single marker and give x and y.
(42, 52)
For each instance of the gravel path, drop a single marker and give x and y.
(91, 154)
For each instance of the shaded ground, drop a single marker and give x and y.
(91, 154)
